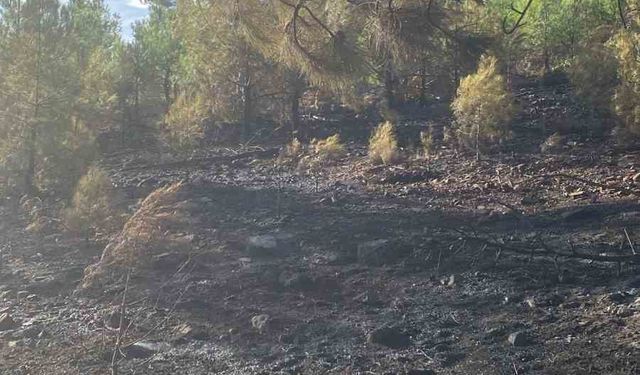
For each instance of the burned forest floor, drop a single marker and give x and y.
(522, 262)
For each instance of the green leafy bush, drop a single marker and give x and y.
(483, 107)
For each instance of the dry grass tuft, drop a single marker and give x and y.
(427, 142)
(92, 205)
(184, 122)
(160, 225)
(383, 146)
(291, 153)
(329, 149)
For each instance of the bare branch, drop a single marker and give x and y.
(622, 15)
(121, 328)
(518, 24)
(433, 23)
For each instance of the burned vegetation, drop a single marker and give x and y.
(320, 187)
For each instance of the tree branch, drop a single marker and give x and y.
(518, 24)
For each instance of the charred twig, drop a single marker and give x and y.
(166, 318)
(587, 182)
(633, 249)
(438, 266)
(121, 328)
(544, 250)
(479, 254)
(157, 302)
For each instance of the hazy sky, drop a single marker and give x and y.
(129, 12)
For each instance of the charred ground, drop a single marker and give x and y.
(438, 265)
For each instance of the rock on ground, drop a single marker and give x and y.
(390, 337)
(7, 323)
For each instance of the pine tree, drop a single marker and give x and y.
(45, 142)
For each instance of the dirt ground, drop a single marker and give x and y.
(438, 265)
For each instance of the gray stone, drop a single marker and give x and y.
(633, 282)
(185, 332)
(580, 214)
(145, 349)
(617, 297)
(494, 332)
(630, 216)
(112, 321)
(377, 253)
(7, 323)
(169, 260)
(259, 322)
(531, 200)
(273, 244)
(448, 281)
(421, 372)
(13, 344)
(390, 337)
(297, 281)
(369, 298)
(519, 339)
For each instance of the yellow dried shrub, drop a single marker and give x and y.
(184, 122)
(593, 72)
(291, 152)
(92, 208)
(626, 101)
(483, 107)
(160, 225)
(329, 149)
(383, 146)
(427, 142)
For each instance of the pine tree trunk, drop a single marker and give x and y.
(247, 107)
(423, 84)
(295, 110)
(389, 90)
(297, 87)
(246, 93)
(134, 117)
(30, 171)
(32, 138)
(166, 85)
(547, 62)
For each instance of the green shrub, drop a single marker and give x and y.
(383, 145)
(483, 107)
